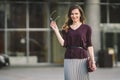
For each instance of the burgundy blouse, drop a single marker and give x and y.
(80, 37)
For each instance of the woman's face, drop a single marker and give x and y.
(75, 15)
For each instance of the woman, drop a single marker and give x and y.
(77, 40)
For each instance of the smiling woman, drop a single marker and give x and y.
(77, 40)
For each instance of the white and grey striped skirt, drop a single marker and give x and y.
(75, 69)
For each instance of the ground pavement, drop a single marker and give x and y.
(54, 73)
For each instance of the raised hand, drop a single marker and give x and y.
(53, 25)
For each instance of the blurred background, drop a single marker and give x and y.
(26, 38)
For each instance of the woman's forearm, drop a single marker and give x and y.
(91, 52)
(59, 37)
(53, 25)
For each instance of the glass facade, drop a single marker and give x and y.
(25, 33)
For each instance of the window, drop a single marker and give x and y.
(110, 11)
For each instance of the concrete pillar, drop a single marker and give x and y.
(92, 12)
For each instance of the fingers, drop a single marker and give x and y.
(53, 24)
(94, 67)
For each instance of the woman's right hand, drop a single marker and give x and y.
(53, 25)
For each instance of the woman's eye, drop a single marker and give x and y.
(76, 13)
(71, 13)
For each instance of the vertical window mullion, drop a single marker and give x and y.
(5, 29)
(27, 32)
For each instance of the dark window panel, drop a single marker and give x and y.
(114, 1)
(2, 19)
(114, 13)
(17, 17)
(38, 45)
(2, 42)
(109, 40)
(103, 14)
(110, 1)
(103, 1)
(36, 15)
(16, 43)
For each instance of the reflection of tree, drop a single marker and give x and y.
(17, 43)
(35, 42)
(35, 45)
(37, 49)
(14, 43)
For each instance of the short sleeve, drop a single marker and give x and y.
(64, 35)
(88, 36)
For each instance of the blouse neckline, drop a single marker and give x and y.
(76, 28)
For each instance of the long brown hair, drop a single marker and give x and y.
(69, 20)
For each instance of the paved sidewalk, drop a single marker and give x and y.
(106, 74)
(53, 73)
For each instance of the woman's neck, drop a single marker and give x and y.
(76, 23)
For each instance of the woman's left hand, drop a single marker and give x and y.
(93, 66)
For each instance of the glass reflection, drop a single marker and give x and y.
(16, 43)
(2, 15)
(37, 15)
(38, 45)
(1, 42)
(17, 15)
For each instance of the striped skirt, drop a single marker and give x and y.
(75, 69)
